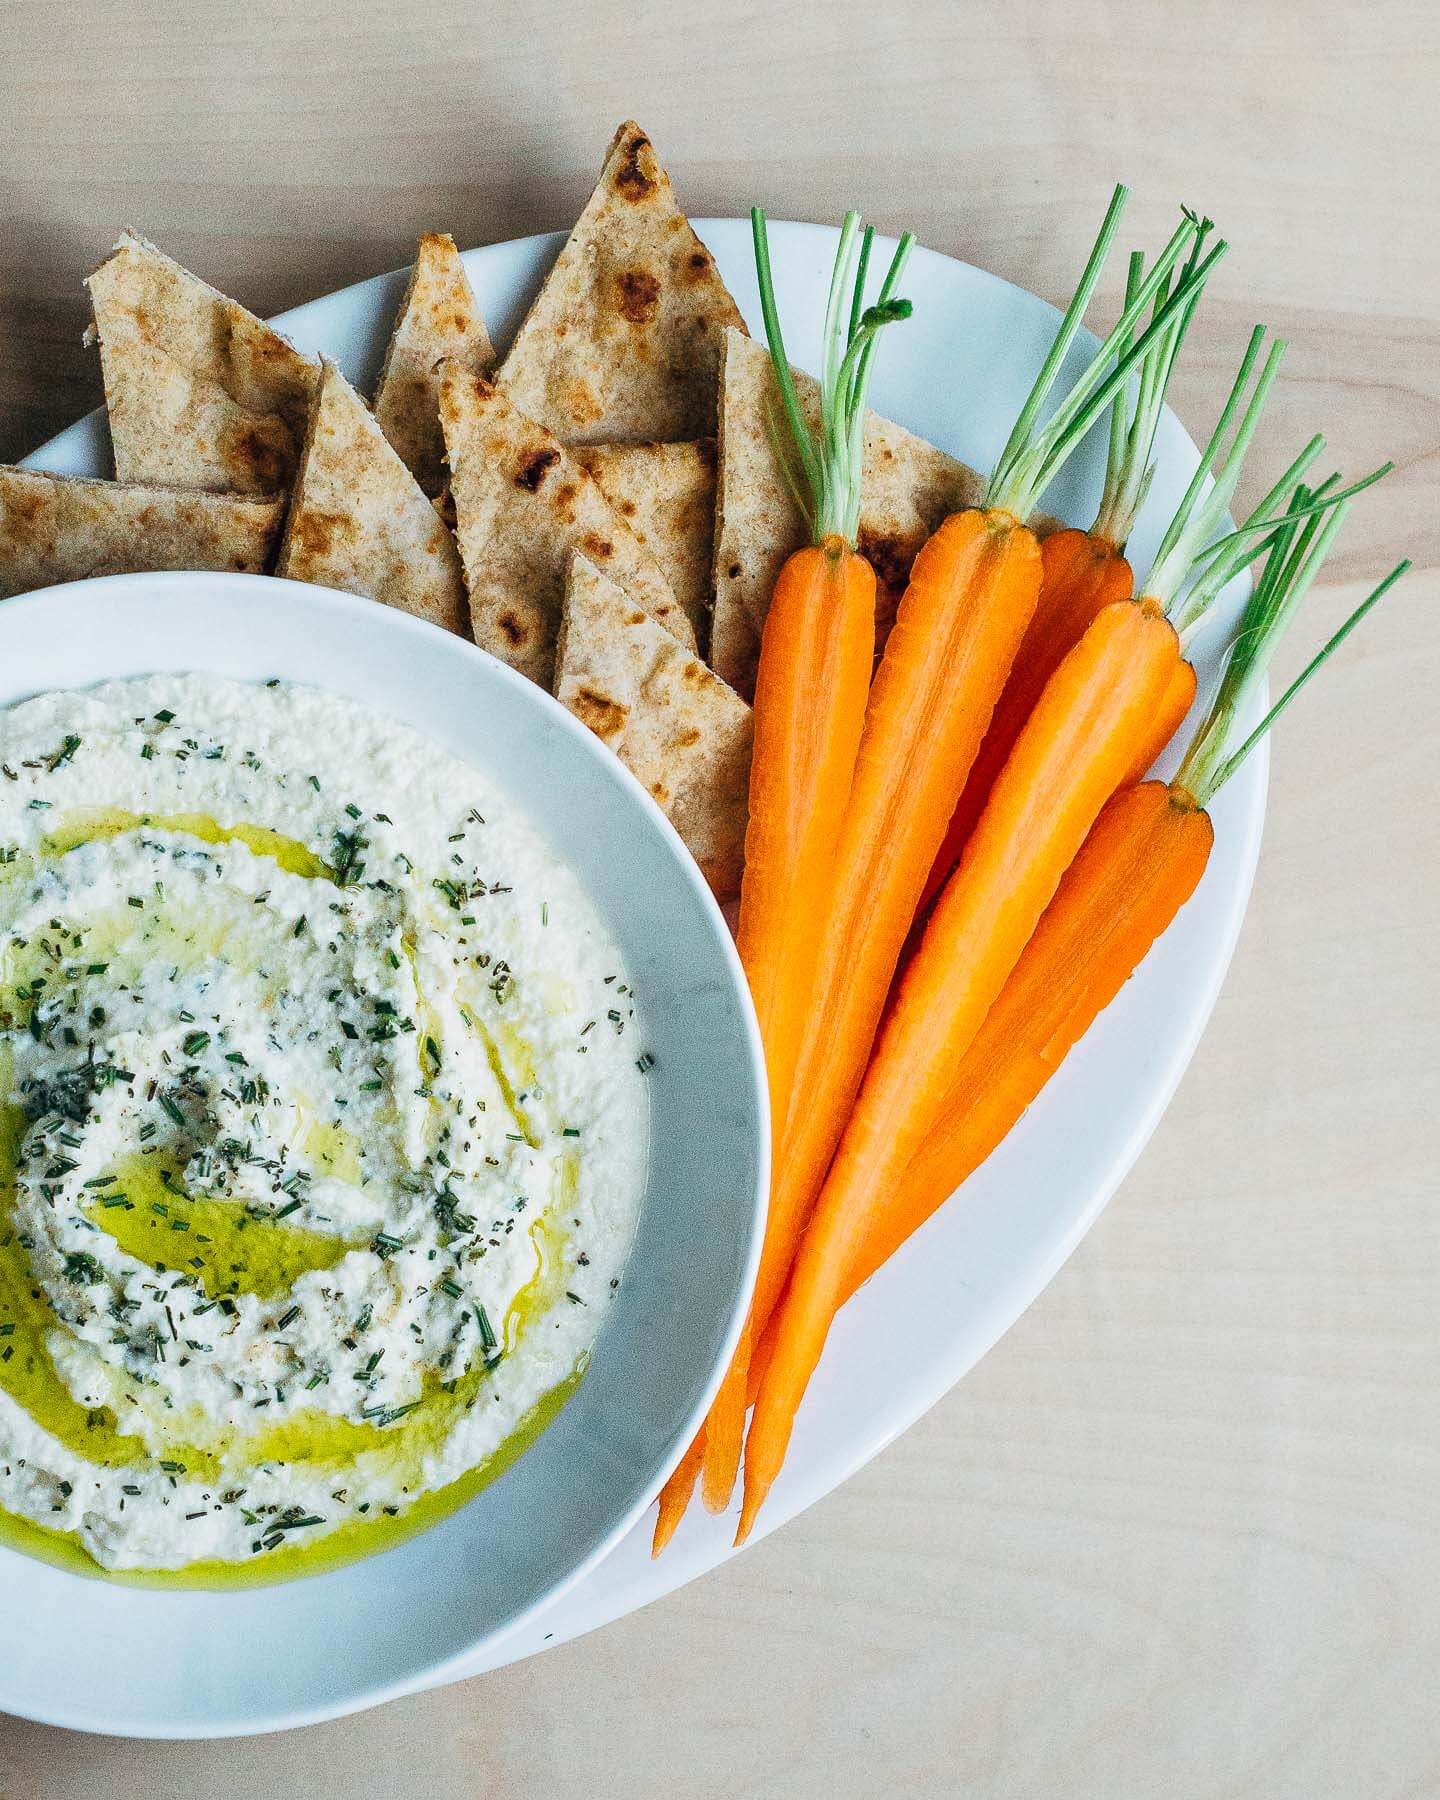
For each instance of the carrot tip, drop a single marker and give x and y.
(719, 1472)
(749, 1508)
(725, 1432)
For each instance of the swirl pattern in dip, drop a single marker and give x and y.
(324, 1121)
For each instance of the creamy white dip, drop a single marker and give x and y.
(324, 1119)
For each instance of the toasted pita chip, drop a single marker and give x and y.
(359, 521)
(200, 393)
(438, 318)
(908, 488)
(674, 725)
(522, 504)
(622, 344)
(56, 528)
(665, 493)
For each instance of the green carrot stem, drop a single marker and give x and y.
(885, 301)
(856, 368)
(1201, 512)
(1129, 467)
(1121, 424)
(1029, 413)
(1301, 540)
(1220, 562)
(801, 439)
(1192, 496)
(824, 467)
(1232, 762)
(1320, 497)
(1024, 473)
(885, 297)
(857, 293)
(1291, 566)
(1093, 391)
(1217, 565)
(782, 448)
(841, 277)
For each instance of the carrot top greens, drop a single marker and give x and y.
(1035, 453)
(1197, 558)
(824, 467)
(1194, 561)
(1298, 546)
(1128, 465)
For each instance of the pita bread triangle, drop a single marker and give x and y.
(622, 344)
(358, 520)
(665, 493)
(908, 487)
(56, 528)
(677, 727)
(438, 318)
(200, 393)
(522, 505)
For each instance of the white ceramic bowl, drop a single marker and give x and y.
(101, 1656)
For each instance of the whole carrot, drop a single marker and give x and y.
(816, 656)
(972, 590)
(1099, 923)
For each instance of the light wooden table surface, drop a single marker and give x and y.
(1179, 1535)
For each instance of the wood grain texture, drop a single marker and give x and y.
(1179, 1534)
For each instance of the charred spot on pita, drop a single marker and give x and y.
(513, 628)
(889, 556)
(639, 296)
(606, 718)
(534, 467)
(24, 508)
(584, 404)
(315, 532)
(268, 458)
(631, 180)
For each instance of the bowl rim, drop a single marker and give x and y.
(344, 609)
